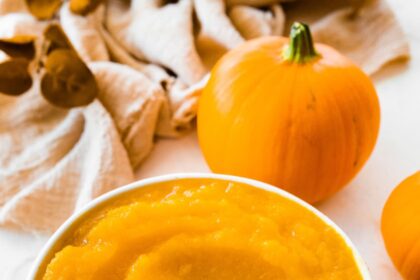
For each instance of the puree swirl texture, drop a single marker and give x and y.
(204, 229)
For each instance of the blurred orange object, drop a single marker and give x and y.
(401, 227)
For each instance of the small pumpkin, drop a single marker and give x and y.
(47, 9)
(401, 227)
(84, 7)
(14, 77)
(66, 82)
(19, 46)
(43, 9)
(65, 79)
(287, 112)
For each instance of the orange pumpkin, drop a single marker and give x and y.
(401, 227)
(298, 116)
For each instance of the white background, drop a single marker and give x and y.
(356, 209)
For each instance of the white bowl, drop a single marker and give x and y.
(57, 239)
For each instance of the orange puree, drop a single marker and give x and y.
(203, 229)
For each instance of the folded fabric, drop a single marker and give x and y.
(367, 32)
(53, 161)
(150, 61)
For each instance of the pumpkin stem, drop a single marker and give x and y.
(301, 47)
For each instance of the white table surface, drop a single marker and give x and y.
(356, 209)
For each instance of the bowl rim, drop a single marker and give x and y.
(102, 199)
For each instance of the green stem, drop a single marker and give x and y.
(301, 47)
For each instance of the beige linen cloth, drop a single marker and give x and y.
(150, 59)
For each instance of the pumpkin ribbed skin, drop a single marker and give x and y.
(305, 127)
(401, 227)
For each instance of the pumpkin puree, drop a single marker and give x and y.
(203, 229)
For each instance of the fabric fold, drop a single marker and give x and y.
(83, 33)
(134, 102)
(55, 161)
(253, 23)
(377, 38)
(147, 36)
